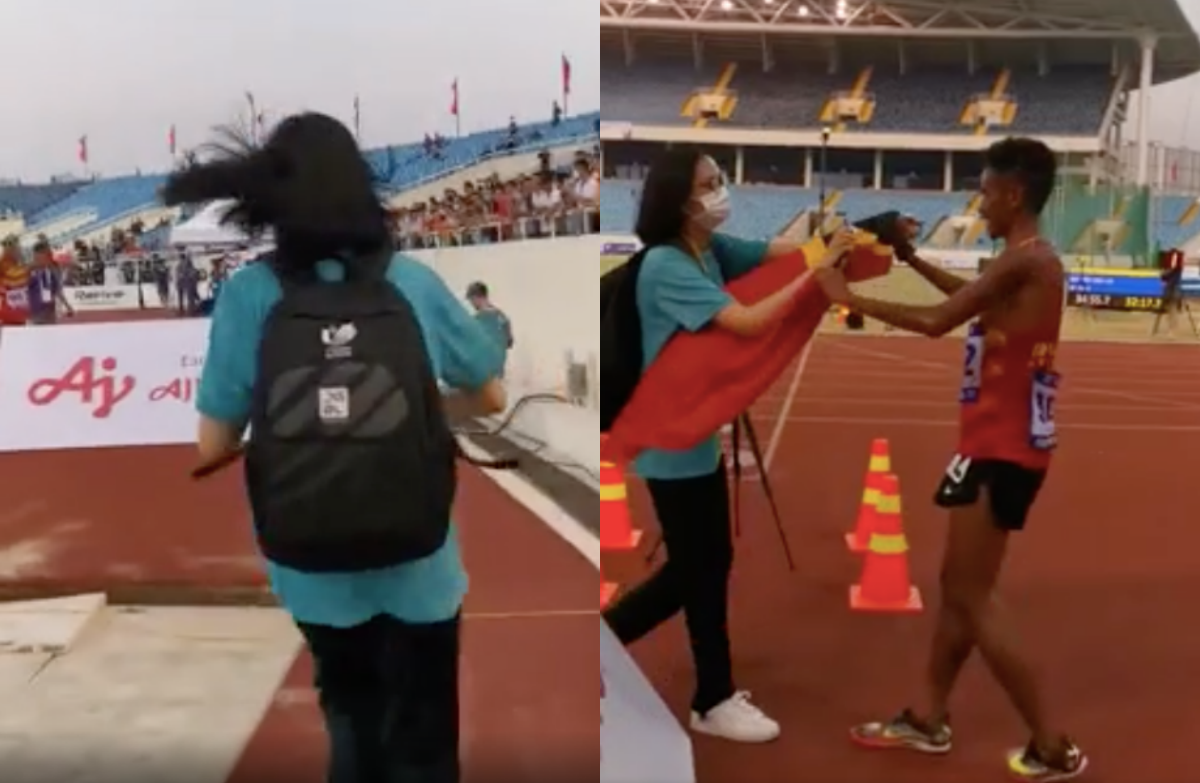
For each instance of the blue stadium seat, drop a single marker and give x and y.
(929, 208)
(759, 212)
(1169, 211)
(401, 166)
(1066, 101)
(407, 165)
(109, 198)
(762, 211)
(28, 200)
(653, 93)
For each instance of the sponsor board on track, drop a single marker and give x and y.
(110, 297)
(113, 384)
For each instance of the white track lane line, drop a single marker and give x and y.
(1143, 398)
(782, 420)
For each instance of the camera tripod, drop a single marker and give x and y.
(1175, 299)
(743, 427)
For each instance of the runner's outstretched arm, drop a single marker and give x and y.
(996, 283)
(946, 282)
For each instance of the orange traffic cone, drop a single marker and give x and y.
(616, 526)
(884, 585)
(879, 466)
(607, 591)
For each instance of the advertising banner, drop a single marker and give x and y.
(113, 384)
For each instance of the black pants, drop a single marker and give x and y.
(389, 691)
(694, 517)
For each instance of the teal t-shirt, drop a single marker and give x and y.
(496, 323)
(464, 356)
(674, 293)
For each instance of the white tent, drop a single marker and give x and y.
(205, 228)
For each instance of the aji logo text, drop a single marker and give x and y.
(98, 384)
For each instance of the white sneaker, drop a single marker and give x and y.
(736, 719)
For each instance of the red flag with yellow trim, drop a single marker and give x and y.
(704, 380)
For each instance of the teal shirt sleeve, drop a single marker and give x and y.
(227, 380)
(465, 355)
(738, 256)
(673, 282)
(497, 325)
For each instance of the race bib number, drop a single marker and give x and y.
(1043, 434)
(972, 365)
(18, 298)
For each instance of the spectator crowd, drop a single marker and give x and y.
(550, 201)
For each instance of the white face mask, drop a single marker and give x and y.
(715, 209)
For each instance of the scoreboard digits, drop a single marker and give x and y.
(1123, 302)
(1128, 290)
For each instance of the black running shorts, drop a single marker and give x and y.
(1011, 488)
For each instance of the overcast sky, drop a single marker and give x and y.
(123, 71)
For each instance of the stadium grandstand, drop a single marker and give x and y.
(117, 214)
(848, 107)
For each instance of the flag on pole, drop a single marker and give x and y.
(357, 118)
(171, 141)
(83, 150)
(566, 84)
(454, 98)
(254, 116)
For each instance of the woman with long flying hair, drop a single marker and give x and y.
(385, 641)
(685, 199)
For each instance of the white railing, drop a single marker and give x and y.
(524, 149)
(569, 224)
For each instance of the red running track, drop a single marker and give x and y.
(131, 522)
(1101, 585)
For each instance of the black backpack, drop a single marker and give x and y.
(350, 464)
(620, 339)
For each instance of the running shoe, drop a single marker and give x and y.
(1028, 763)
(905, 731)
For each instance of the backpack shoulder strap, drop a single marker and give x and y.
(370, 267)
(292, 279)
(621, 280)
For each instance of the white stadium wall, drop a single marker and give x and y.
(547, 287)
(549, 290)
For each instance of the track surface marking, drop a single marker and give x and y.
(1100, 585)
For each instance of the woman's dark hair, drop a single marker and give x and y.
(1031, 163)
(308, 183)
(665, 193)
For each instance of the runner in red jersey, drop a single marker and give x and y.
(1007, 436)
(14, 285)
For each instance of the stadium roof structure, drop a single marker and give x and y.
(1078, 31)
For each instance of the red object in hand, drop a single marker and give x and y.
(704, 380)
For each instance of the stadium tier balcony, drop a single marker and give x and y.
(928, 207)
(1067, 101)
(28, 200)
(1177, 220)
(651, 93)
(108, 198)
(762, 211)
(408, 165)
(759, 212)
